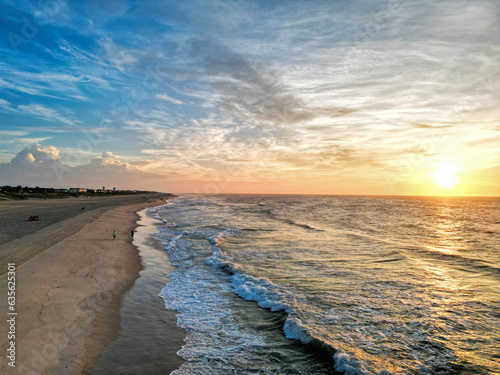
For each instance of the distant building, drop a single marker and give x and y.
(77, 190)
(61, 191)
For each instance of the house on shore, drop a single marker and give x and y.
(77, 190)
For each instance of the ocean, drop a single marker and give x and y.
(334, 284)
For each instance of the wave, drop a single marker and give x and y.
(390, 256)
(292, 222)
(466, 263)
(257, 230)
(219, 237)
(406, 250)
(271, 296)
(154, 213)
(306, 226)
(276, 298)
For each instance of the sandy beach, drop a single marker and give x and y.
(70, 277)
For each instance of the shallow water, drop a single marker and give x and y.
(349, 284)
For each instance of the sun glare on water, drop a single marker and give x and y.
(445, 175)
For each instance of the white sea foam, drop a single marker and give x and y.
(267, 294)
(219, 260)
(154, 212)
(203, 301)
(216, 341)
(294, 329)
(219, 237)
(350, 366)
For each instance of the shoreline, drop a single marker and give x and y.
(68, 295)
(149, 337)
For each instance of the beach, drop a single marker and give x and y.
(309, 285)
(70, 277)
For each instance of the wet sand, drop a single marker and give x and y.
(69, 287)
(149, 338)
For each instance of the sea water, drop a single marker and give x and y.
(334, 284)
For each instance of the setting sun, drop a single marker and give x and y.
(445, 175)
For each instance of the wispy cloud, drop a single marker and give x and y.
(46, 113)
(168, 98)
(12, 133)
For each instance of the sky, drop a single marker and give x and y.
(218, 96)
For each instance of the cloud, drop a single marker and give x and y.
(5, 105)
(419, 150)
(168, 98)
(45, 84)
(45, 113)
(35, 164)
(41, 166)
(249, 90)
(12, 133)
(36, 154)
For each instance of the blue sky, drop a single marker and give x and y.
(233, 96)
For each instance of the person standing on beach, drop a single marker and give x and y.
(132, 233)
(114, 234)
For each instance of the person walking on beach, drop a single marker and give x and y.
(132, 234)
(114, 234)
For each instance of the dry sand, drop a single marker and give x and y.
(21, 239)
(68, 294)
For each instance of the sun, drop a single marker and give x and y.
(445, 175)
